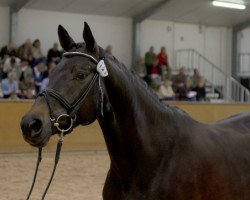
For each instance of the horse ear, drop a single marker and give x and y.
(65, 40)
(89, 38)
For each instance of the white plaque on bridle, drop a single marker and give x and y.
(101, 69)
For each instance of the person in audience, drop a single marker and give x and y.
(37, 53)
(190, 93)
(39, 73)
(27, 87)
(163, 57)
(140, 68)
(24, 52)
(11, 65)
(155, 68)
(8, 51)
(26, 81)
(10, 87)
(150, 60)
(163, 62)
(180, 84)
(155, 84)
(201, 90)
(54, 55)
(45, 81)
(108, 50)
(166, 92)
(24, 71)
(1, 70)
(198, 82)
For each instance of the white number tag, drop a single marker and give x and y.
(101, 69)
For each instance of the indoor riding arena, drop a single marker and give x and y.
(135, 99)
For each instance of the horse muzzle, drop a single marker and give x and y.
(33, 131)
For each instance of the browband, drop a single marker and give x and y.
(67, 54)
(101, 67)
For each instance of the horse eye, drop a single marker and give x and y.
(80, 76)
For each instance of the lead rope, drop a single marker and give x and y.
(57, 157)
(39, 158)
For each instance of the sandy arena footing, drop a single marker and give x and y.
(79, 175)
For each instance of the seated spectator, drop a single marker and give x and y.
(11, 65)
(25, 51)
(54, 55)
(166, 92)
(199, 85)
(150, 60)
(24, 71)
(37, 53)
(156, 84)
(26, 81)
(39, 73)
(180, 84)
(190, 93)
(108, 50)
(8, 51)
(201, 90)
(140, 68)
(27, 87)
(10, 87)
(45, 81)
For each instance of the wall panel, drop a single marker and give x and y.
(90, 137)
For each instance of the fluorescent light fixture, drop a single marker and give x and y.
(229, 5)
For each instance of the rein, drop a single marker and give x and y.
(71, 109)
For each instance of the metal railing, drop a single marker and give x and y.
(229, 88)
(243, 65)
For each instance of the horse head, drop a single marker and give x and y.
(72, 96)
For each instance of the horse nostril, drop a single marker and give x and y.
(31, 127)
(36, 127)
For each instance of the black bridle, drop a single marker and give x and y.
(71, 109)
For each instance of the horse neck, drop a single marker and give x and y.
(127, 94)
(129, 112)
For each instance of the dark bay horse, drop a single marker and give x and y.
(157, 152)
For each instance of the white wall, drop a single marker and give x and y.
(217, 47)
(106, 30)
(244, 44)
(4, 26)
(212, 42)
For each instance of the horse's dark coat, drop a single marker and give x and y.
(156, 151)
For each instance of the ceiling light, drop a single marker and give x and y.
(229, 5)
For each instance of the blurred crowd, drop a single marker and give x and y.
(166, 83)
(24, 73)
(24, 70)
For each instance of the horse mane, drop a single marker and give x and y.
(143, 86)
(136, 80)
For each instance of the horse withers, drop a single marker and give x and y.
(156, 152)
